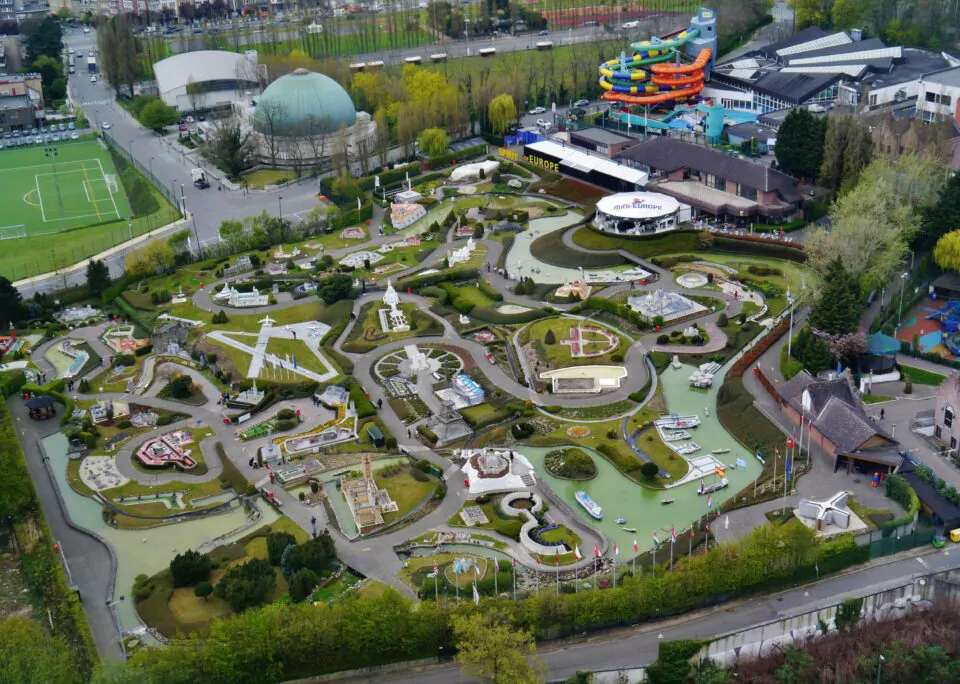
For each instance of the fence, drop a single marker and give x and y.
(168, 193)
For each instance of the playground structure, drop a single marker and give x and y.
(668, 80)
(949, 317)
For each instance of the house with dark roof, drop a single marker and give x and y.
(814, 67)
(601, 141)
(714, 182)
(944, 512)
(831, 410)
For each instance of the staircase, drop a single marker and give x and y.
(528, 480)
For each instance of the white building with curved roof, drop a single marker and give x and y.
(206, 79)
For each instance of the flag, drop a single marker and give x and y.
(496, 565)
(726, 522)
(691, 531)
(280, 361)
(556, 554)
(788, 469)
(656, 539)
(294, 363)
(636, 546)
(436, 570)
(596, 551)
(538, 560)
(576, 552)
(476, 568)
(616, 549)
(673, 535)
(476, 595)
(513, 562)
(709, 501)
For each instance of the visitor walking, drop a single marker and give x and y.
(881, 414)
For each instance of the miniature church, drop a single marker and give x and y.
(392, 319)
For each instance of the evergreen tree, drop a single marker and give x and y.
(11, 304)
(941, 217)
(800, 144)
(98, 276)
(837, 310)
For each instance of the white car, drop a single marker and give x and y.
(581, 103)
(74, 136)
(543, 123)
(93, 79)
(105, 126)
(537, 110)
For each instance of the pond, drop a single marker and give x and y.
(520, 261)
(338, 501)
(142, 551)
(619, 496)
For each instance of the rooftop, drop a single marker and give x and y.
(752, 130)
(8, 102)
(670, 154)
(947, 77)
(601, 135)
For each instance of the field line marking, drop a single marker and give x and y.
(116, 209)
(86, 179)
(86, 190)
(43, 214)
(47, 166)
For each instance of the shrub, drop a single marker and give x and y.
(427, 434)
(203, 590)
(189, 568)
(722, 321)
(302, 584)
(124, 424)
(617, 358)
(521, 430)
(248, 585)
(277, 543)
(650, 470)
(549, 337)
(663, 339)
(123, 360)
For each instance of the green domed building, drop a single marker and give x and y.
(303, 103)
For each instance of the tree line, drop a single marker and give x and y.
(926, 23)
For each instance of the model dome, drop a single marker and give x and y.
(303, 103)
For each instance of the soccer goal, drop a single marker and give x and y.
(111, 180)
(13, 232)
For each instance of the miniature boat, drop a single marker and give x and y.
(714, 487)
(620, 521)
(664, 502)
(721, 451)
(631, 530)
(687, 448)
(589, 505)
(676, 436)
(677, 422)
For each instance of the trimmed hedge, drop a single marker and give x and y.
(11, 381)
(427, 434)
(551, 249)
(446, 159)
(365, 407)
(488, 290)
(132, 314)
(758, 247)
(899, 490)
(418, 282)
(487, 315)
(621, 310)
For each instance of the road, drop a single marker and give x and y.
(637, 647)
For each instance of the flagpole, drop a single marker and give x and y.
(654, 564)
(538, 581)
(614, 571)
(514, 579)
(690, 542)
(558, 579)
(671, 553)
(436, 589)
(496, 590)
(595, 568)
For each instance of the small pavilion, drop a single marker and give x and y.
(881, 356)
(41, 408)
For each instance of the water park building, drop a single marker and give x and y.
(590, 168)
(713, 182)
(207, 79)
(638, 213)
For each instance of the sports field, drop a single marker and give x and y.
(51, 189)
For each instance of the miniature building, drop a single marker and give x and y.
(392, 319)
(247, 398)
(376, 437)
(833, 511)
(233, 297)
(402, 215)
(359, 259)
(166, 450)
(334, 396)
(668, 305)
(468, 389)
(580, 288)
(461, 255)
(243, 265)
(169, 336)
(366, 501)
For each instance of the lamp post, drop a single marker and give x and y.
(112, 605)
(903, 280)
(280, 204)
(790, 334)
(880, 667)
(150, 164)
(466, 23)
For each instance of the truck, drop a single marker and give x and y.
(92, 65)
(200, 179)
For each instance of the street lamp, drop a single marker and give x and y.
(150, 164)
(903, 280)
(280, 204)
(790, 334)
(112, 605)
(880, 667)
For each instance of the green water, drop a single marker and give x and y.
(620, 497)
(145, 551)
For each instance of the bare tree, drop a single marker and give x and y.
(294, 148)
(271, 118)
(341, 152)
(196, 92)
(382, 136)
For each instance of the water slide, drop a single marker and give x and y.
(667, 80)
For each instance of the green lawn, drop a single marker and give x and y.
(478, 412)
(335, 587)
(470, 293)
(558, 355)
(921, 376)
(296, 348)
(561, 534)
(258, 179)
(367, 333)
(406, 491)
(876, 398)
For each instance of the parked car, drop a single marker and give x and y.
(537, 110)
(105, 126)
(71, 126)
(543, 123)
(93, 79)
(544, 32)
(74, 136)
(581, 103)
(62, 127)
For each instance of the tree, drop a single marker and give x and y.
(302, 584)
(181, 387)
(11, 304)
(189, 568)
(334, 288)
(810, 13)
(314, 554)
(98, 276)
(44, 37)
(941, 216)
(248, 585)
(230, 147)
(848, 14)
(549, 337)
(847, 148)
(203, 590)
(947, 252)
(196, 93)
(158, 115)
(489, 647)
(837, 310)
(277, 542)
(155, 257)
(271, 122)
(649, 470)
(30, 655)
(501, 113)
(433, 142)
(119, 54)
(800, 144)
(346, 190)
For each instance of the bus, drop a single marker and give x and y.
(487, 52)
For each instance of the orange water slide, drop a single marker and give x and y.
(655, 98)
(691, 79)
(702, 60)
